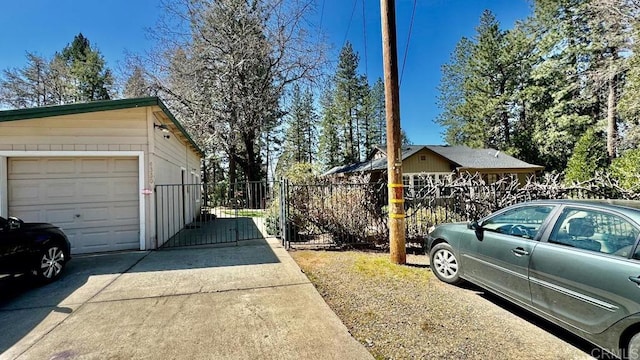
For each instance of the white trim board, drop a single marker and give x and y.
(4, 177)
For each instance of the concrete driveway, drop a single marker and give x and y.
(237, 302)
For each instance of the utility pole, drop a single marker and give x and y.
(394, 149)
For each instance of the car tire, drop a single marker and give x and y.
(444, 264)
(633, 349)
(49, 263)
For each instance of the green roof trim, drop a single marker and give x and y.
(94, 106)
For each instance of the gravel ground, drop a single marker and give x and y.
(404, 312)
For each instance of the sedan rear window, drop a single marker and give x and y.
(595, 231)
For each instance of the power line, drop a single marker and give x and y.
(364, 35)
(355, 2)
(406, 49)
(321, 14)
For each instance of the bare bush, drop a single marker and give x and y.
(356, 212)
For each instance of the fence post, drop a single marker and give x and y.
(283, 220)
(155, 201)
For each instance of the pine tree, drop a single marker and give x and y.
(93, 81)
(76, 74)
(589, 157)
(480, 88)
(300, 134)
(346, 100)
(330, 145)
(451, 97)
(136, 85)
(376, 96)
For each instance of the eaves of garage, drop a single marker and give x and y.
(95, 106)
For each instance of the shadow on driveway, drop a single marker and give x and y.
(29, 310)
(538, 321)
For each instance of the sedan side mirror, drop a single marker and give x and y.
(473, 225)
(14, 223)
(477, 227)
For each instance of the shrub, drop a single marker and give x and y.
(626, 170)
(589, 157)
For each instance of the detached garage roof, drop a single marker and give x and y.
(95, 106)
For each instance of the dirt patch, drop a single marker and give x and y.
(404, 312)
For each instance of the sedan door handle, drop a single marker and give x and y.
(519, 251)
(635, 279)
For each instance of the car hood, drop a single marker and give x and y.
(37, 226)
(452, 226)
(449, 231)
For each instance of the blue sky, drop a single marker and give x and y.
(45, 26)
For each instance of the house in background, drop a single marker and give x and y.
(91, 168)
(441, 161)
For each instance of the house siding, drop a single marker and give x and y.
(116, 130)
(170, 156)
(432, 163)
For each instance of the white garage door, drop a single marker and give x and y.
(93, 200)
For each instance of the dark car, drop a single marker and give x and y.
(574, 263)
(38, 249)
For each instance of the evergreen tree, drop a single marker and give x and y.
(481, 88)
(376, 96)
(300, 134)
(136, 85)
(451, 97)
(346, 101)
(76, 74)
(93, 81)
(589, 157)
(567, 101)
(626, 169)
(330, 145)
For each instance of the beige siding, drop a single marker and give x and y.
(98, 131)
(171, 159)
(431, 163)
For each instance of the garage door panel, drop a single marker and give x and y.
(122, 166)
(126, 212)
(94, 166)
(122, 234)
(93, 200)
(94, 188)
(96, 214)
(24, 167)
(126, 189)
(24, 193)
(58, 166)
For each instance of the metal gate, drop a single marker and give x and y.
(204, 214)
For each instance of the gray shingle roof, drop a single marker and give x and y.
(460, 156)
(467, 157)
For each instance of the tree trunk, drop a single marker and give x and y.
(232, 172)
(612, 125)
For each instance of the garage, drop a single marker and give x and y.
(93, 199)
(91, 169)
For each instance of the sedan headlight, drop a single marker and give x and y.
(430, 229)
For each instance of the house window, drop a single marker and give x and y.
(423, 157)
(420, 181)
(406, 180)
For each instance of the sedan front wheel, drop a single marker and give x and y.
(444, 264)
(51, 261)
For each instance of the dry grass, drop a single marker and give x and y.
(404, 312)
